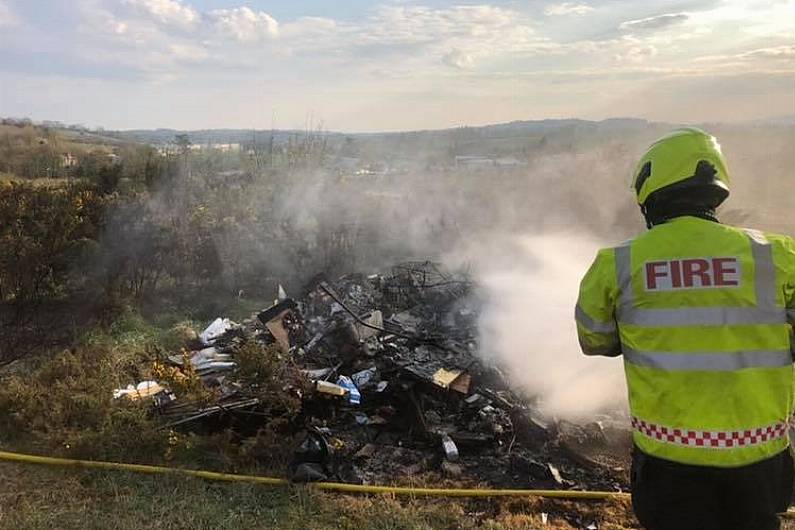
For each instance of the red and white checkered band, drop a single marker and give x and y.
(711, 439)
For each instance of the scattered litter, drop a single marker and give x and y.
(218, 327)
(362, 379)
(461, 383)
(555, 472)
(450, 449)
(474, 398)
(274, 317)
(142, 390)
(312, 458)
(354, 396)
(324, 387)
(370, 326)
(443, 377)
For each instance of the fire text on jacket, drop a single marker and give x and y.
(692, 273)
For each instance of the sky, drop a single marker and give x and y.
(351, 65)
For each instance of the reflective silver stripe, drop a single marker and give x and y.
(709, 361)
(703, 316)
(592, 325)
(765, 270)
(765, 312)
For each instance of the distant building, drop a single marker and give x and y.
(227, 148)
(224, 148)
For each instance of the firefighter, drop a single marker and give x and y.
(702, 314)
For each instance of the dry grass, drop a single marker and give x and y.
(43, 498)
(48, 498)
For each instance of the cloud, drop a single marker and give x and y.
(8, 17)
(655, 22)
(567, 8)
(392, 49)
(308, 27)
(422, 24)
(456, 35)
(740, 61)
(169, 12)
(167, 39)
(786, 52)
(98, 23)
(459, 59)
(637, 53)
(409, 38)
(120, 36)
(418, 36)
(244, 24)
(189, 53)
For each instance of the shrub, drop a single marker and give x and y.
(66, 403)
(272, 376)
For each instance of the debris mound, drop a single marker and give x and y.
(381, 372)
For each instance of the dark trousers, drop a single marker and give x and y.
(671, 496)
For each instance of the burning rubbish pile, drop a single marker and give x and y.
(389, 386)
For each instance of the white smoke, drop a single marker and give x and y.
(529, 286)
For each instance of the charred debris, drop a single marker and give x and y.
(390, 385)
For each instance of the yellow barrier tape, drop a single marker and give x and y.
(325, 486)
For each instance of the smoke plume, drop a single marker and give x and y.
(527, 324)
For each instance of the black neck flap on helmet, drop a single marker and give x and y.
(697, 196)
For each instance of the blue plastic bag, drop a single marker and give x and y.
(354, 396)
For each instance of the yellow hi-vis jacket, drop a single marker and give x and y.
(702, 314)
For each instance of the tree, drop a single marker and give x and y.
(183, 143)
